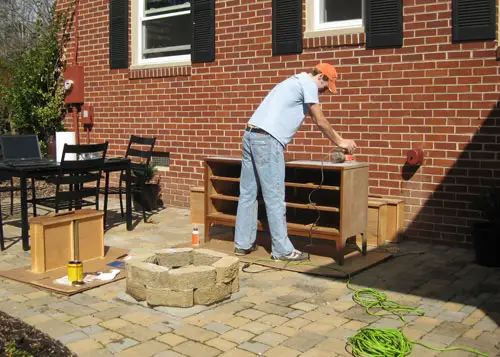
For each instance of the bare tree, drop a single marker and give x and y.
(21, 21)
(19, 24)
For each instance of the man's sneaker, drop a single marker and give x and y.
(294, 256)
(240, 252)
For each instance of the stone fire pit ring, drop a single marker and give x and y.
(182, 277)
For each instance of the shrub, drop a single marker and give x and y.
(148, 173)
(36, 96)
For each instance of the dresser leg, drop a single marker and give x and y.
(206, 236)
(339, 246)
(364, 243)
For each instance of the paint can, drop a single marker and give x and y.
(75, 272)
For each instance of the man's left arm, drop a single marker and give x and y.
(320, 120)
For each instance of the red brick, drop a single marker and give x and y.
(430, 92)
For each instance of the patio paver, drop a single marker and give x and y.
(276, 313)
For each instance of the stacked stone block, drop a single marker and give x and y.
(182, 277)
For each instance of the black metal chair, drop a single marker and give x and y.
(81, 175)
(11, 189)
(14, 188)
(2, 243)
(139, 151)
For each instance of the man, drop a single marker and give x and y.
(269, 130)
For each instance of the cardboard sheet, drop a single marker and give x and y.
(46, 280)
(321, 253)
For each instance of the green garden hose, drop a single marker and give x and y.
(390, 342)
(372, 299)
(377, 342)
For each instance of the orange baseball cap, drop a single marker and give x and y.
(329, 71)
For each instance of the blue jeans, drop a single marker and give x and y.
(263, 165)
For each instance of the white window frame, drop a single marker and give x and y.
(138, 38)
(498, 25)
(315, 29)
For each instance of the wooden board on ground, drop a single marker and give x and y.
(321, 262)
(46, 280)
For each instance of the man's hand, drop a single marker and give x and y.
(348, 145)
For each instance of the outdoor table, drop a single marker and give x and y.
(28, 172)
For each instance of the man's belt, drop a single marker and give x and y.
(254, 129)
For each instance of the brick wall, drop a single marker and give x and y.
(429, 93)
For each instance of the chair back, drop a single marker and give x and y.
(140, 151)
(4, 176)
(86, 169)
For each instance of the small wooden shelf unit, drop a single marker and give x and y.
(340, 197)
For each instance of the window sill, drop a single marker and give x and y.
(157, 70)
(334, 37)
(334, 32)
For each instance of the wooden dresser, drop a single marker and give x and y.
(340, 198)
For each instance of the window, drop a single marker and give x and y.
(164, 33)
(328, 15)
(331, 14)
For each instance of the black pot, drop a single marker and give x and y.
(148, 198)
(486, 237)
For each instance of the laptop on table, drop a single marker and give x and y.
(22, 151)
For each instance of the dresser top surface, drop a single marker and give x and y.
(349, 165)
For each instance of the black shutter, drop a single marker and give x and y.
(118, 34)
(203, 43)
(287, 27)
(473, 20)
(384, 23)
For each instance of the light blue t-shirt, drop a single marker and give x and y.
(283, 110)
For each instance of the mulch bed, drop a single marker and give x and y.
(18, 339)
(43, 189)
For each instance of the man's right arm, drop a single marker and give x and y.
(320, 120)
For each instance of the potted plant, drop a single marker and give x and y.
(148, 197)
(486, 234)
